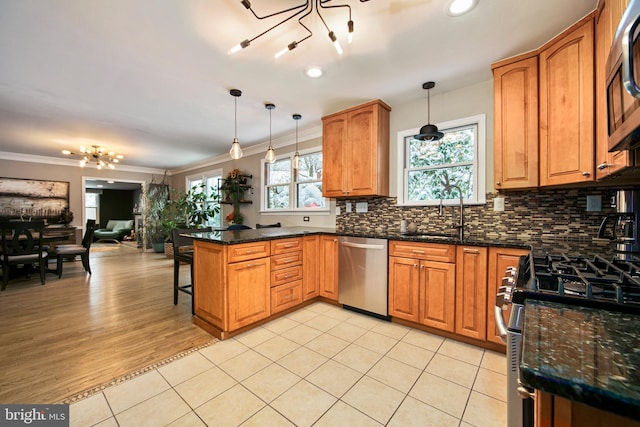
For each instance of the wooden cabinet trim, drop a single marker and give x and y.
(426, 251)
(282, 246)
(247, 251)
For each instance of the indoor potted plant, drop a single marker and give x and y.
(156, 196)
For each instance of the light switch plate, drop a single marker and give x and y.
(498, 204)
(348, 207)
(594, 203)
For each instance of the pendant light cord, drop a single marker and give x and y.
(235, 117)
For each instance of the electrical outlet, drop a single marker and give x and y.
(362, 207)
(347, 207)
(305, 218)
(594, 203)
(337, 210)
(498, 204)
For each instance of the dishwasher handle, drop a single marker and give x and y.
(362, 245)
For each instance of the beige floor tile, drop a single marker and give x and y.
(334, 378)
(109, 422)
(304, 403)
(276, 347)
(302, 334)
(444, 395)
(413, 413)
(410, 354)
(375, 399)
(255, 336)
(423, 339)
(302, 315)
(339, 313)
(89, 411)
(485, 411)
(267, 417)
(496, 362)
(184, 368)
(245, 364)
(189, 420)
(205, 386)
(327, 345)
(319, 307)
(376, 342)
(358, 358)
(392, 330)
(492, 384)
(231, 408)
(223, 350)
(461, 351)
(395, 374)
(271, 382)
(342, 414)
(302, 361)
(160, 410)
(453, 370)
(134, 391)
(347, 332)
(363, 321)
(322, 323)
(281, 325)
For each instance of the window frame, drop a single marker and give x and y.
(479, 162)
(293, 188)
(203, 177)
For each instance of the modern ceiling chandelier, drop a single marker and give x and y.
(429, 132)
(236, 151)
(301, 11)
(271, 155)
(97, 154)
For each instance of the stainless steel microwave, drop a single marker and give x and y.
(623, 77)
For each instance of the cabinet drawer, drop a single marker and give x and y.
(427, 251)
(281, 261)
(286, 275)
(286, 296)
(246, 251)
(282, 246)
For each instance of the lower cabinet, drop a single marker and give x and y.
(286, 296)
(310, 267)
(249, 292)
(287, 273)
(471, 292)
(437, 294)
(329, 267)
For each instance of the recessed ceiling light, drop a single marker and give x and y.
(460, 7)
(314, 72)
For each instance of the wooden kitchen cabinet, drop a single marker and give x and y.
(328, 263)
(515, 97)
(286, 273)
(404, 288)
(499, 260)
(567, 106)
(608, 15)
(355, 151)
(437, 294)
(249, 292)
(310, 267)
(471, 292)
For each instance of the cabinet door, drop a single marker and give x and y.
(515, 87)
(329, 267)
(437, 294)
(471, 292)
(499, 260)
(249, 292)
(334, 137)
(567, 107)
(310, 267)
(404, 288)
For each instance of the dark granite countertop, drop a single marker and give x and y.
(584, 354)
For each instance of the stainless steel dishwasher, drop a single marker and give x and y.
(362, 274)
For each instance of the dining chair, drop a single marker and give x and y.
(183, 252)
(237, 227)
(22, 245)
(61, 252)
(277, 224)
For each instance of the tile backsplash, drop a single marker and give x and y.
(530, 214)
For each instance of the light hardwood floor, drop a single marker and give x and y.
(82, 330)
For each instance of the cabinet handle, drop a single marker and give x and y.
(249, 265)
(415, 265)
(417, 251)
(498, 183)
(585, 173)
(252, 251)
(471, 251)
(288, 297)
(289, 245)
(288, 261)
(286, 276)
(421, 267)
(602, 165)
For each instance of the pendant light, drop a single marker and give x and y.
(236, 151)
(429, 132)
(271, 155)
(296, 157)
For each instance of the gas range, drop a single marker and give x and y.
(589, 281)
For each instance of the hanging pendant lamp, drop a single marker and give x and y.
(271, 155)
(236, 151)
(296, 157)
(429, 132)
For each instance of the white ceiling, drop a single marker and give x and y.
(150, 78)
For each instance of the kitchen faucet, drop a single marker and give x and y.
(448, 187)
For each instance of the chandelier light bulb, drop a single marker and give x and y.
(296, 161)
(235, 152)
(350, 37)
(271, 155)
(336, 43)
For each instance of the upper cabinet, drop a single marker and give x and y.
(355, 151)
(516, 122)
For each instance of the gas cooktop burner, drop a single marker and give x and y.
(579, 288)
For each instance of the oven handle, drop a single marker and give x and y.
(628, 75)
(502, 327)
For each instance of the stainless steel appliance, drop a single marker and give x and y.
(362, 274)
(592, 282)
(623, 75)
(622, 227)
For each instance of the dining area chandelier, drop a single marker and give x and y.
(301, 11)
(95, 155)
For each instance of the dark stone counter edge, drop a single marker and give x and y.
(253, 235)
(589, 395)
